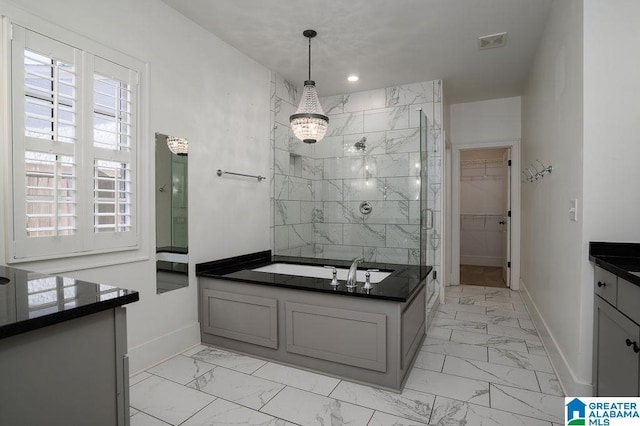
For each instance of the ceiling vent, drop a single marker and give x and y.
(491, 41)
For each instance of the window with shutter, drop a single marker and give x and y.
(74, 149)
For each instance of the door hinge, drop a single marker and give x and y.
(509, 164)
(508, 264)
(509, 213)
(435, 275)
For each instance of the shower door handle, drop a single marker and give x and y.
(429, 222)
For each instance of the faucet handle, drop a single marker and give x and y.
(334, 281)
(367, 280)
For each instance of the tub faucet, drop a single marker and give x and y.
(353, 270)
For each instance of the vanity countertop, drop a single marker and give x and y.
(621, 259)
(403, 282)
(30, 300)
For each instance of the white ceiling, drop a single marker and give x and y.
(386, 42)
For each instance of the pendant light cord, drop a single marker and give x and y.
(309, 58)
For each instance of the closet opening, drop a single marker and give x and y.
(485, 217)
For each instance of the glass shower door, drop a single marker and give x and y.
(427, 205)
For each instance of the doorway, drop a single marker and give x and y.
(484, 207)
(485, 214)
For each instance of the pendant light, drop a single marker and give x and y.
(309, 124)
(179, 146)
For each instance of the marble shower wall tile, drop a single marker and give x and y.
(344, 168)
(329, 147)
(403, 236)
(386, 255)
(374, 144)
(364, 235)
(300, 235)
(300, 189)
(402, 188)
(389, 165)
(341, 212)
(386, 119)
(281, 238)
(341, 252)
(409, 94)
(363, 189)
(283, 110)
(364, 101)
(333, 105)
(388, 212)
(286, 90)
(407, 140)
(327, 233)
(345, 124)
(287, 212)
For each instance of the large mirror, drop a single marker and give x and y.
(172, 245)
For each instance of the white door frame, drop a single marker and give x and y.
(514, 144)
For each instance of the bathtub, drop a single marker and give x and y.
(320, 272)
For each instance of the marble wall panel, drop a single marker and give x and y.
(386, 119)
(281, 187)
(374, 141)
(329, 147)
(403, 236)
(281, 162)
(287, 212)
(364, 235)
(363, 189)
(403, 141)
(300, 189)
(331, 190)
(282, 135)
(286, 90)
(283, 110)
(414, 114)
(388, 212)
(327, 233)
(333, 104)
(344, 168)
(341, 252)
(300, 235)
(281, 238)
(364, 101)
(345, 124)
(310, 212)
(402, 188)
(409, 94)
(386, 255)
(388, 165)
(342, 212)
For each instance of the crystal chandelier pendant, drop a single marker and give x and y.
(309, 124)
(179, 146)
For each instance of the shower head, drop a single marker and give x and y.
(361, 145)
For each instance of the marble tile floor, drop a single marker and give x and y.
(482, 363)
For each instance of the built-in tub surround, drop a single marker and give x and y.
(365, 335)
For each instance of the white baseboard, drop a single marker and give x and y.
(571, 386)
(481, 260)
(157, 350)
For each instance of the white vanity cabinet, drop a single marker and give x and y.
(616, 342)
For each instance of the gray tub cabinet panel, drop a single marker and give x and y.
(306, 315)
(340, 335)
(250, 319)
(413, 327)
(68, 372)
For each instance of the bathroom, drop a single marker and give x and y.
(562, 116)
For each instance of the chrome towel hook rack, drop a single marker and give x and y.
(539, 174)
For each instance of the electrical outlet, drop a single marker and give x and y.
(573, 210)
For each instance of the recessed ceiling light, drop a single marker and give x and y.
(353, 78)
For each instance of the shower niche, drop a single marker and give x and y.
(172, 245)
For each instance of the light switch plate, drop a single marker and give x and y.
(573, 210)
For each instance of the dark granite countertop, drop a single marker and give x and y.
(621, 259)
(30, 300)
(404, 281)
